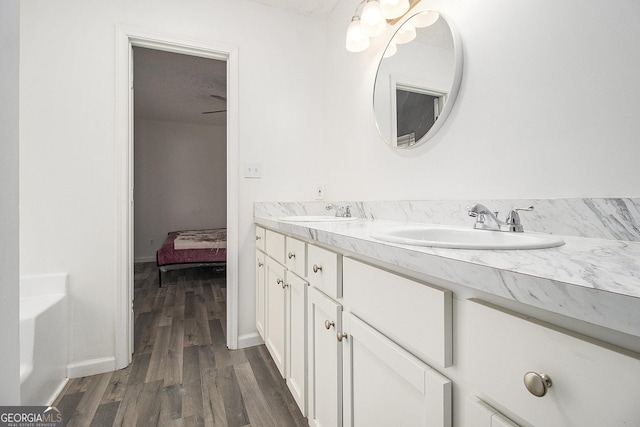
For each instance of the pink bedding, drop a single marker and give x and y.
(168, 255)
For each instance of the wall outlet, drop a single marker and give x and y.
(253, 170)
(319, 193)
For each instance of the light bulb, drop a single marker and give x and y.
(391, 9)
(425, 19)
(371, 21)
(391, 50)
(405, 34)
(356, 40)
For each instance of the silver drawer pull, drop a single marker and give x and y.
(328, 324)
(537, 383)
(291, 255)
(341, 336)
(317, 268)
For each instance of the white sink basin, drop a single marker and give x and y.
(465, 238)
(315, 218)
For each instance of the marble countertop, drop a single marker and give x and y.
(595, 280)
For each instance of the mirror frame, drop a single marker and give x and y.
(451, 96)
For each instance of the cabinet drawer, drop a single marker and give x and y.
(324, 270)
(593, 384)
(296, 259)
(414, 315)
(274, 246)
(260, 233)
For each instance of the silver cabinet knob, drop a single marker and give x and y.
(284, 285)
(260, 264)
(279, 281)
(341, 336)
(537, 383)
(258, 237)
(317, 268)
(329, 323)
(291, 255)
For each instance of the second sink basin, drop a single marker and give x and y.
(465, 238)
(316, 218)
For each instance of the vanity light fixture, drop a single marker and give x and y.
(405, 34)
(371, 21)
(372, 17)
(357, 41)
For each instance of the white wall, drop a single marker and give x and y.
(548, 107)
(9, 243)
(180, 181)
(67, 148)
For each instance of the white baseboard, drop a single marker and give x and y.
(145, 259)
(249, 340)
(55, 395)
(91, 367)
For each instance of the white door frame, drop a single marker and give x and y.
(126, 38)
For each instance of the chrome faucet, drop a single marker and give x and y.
(342, 211)
(487, 220)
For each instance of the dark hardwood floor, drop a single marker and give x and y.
(182, 373)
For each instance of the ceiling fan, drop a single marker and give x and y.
(221, 98)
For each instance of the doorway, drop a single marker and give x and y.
(128, 39)
(180, 171)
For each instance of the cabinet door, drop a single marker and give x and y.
(260, 293)
(275, 313)
(296, 356)
(324, 361)
(384, 385)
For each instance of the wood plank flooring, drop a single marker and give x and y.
(182, 373)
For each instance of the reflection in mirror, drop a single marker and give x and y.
(417, 80)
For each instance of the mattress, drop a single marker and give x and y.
(195, 246)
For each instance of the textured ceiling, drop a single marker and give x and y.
(303, 7)
(178, 88)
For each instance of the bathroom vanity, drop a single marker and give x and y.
(371, 333)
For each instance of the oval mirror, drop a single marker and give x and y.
(417, 80)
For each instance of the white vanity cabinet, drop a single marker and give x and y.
(324, 360)
(363, 346)
(260, 292)
(260, 280)
(275, 332)
(281, 307)
(384, 385)
(592, 383)
(296, 337)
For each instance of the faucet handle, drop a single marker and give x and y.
(513, 218)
